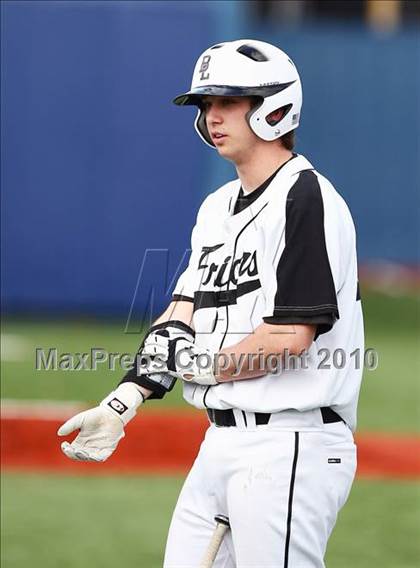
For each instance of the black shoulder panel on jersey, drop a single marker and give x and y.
(305, 286)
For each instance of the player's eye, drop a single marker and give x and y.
(228, 101)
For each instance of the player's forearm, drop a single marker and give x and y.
(157, 383)
(180, 311)
(144, 391)
(248, 358)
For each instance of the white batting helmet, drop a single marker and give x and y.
(248, 67)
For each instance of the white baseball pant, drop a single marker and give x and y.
(281, 490)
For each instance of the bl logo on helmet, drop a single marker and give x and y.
(204, 67)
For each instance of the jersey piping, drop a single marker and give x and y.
(244, 200)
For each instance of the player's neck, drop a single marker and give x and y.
(260, 165)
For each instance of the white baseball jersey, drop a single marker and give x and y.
(287, 258)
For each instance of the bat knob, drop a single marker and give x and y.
(222, 519)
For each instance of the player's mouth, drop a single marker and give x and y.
(217, 137)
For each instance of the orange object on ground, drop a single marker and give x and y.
(388, 455)
(166, 442)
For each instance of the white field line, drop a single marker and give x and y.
(40, 409)
(14, 348)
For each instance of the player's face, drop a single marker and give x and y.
(227, 126)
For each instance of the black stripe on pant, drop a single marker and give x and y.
(290, 504)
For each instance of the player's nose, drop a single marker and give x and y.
(214, 115)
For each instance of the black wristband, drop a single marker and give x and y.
(163, 382)
(158, 388)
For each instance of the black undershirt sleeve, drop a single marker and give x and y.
(305, 287)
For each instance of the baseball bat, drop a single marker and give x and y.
(216, 540)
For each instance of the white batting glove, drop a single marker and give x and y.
(158, 352)
(180, 358)
(102, 427)
(194, 364)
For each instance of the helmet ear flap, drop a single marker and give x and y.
(255, 105)
(276, 115)
(201, 127)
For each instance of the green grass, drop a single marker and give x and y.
(103, 522)
(84, 522)
(378, 527)
(389, 397)
(21, 380)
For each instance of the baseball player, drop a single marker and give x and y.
(262, 330)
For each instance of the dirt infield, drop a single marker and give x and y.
(166, 443)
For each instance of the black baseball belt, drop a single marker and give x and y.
(226, 418)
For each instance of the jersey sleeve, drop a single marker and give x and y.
(188, 283)
(186, 286)
(302, 289)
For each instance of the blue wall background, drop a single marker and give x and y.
(98, 166)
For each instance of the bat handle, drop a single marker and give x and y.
(215, 542)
